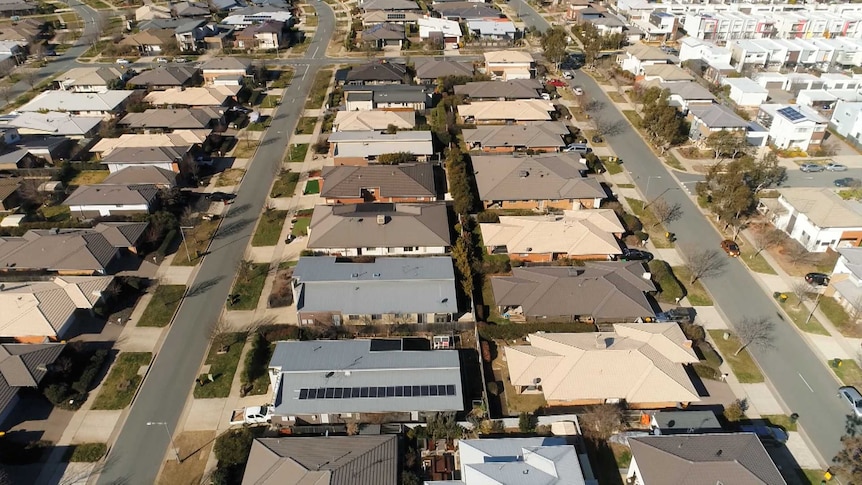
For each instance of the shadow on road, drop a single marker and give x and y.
(232, 228)
(203, 286)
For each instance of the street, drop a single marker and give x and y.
(800, 378)
(139, 450)
(529, 16)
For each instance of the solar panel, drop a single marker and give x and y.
(363, 392)
(372, 392)
(424, 390)
(376, 392)
(303, 393)
(450, 390)
(791, 114)
(433, 390)
(338, 393)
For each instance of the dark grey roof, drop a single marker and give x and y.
(542, 177)
(379, 225)
(331, 460)
(405, 180)
(675, 422)
(191, 9)
(718, 116)
(146, 154)
(174, 119)
(159, 24)
(378, 71)
(226, 63)
(737, 458)
(388, 93)
(606, 291)
(24, 365)
(164, 76)
(466, 10)
(144, 174)
(122, 234)
(110, 194)
(428, 68)
(689, 91)
(541, 134)
(515, 89)
(384, 31)
(58, 250)
(368, 5)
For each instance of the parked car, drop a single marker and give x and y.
(853, 398)
(836, 167)
(848, 182)
(557, 83)
(161, 60)
(730, 247)
(568, 75)
(817, 279)
(811, 167)
(772, 435)
(578, 91)
(635, 255)
(181, 60)
(252, 415)
(220, 196)
(577, 147)
(123, 62)
(679, 314)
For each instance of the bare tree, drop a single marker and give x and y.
(755, 331)
(600, 422)
(802, 290)
(705, 263)
(799, 254)
(31, 77)
(666, 212)
(608, 128)
(29, 193)
(767, 238)
(591, 106)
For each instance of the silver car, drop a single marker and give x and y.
(811, 167)
(853, 398)
(836, 167)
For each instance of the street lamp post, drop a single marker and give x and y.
(659, 196)
(170, 437)
(185, 244)
(814, 308)
(648, 180)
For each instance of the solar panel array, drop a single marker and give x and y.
(791, 114)
(376, 392)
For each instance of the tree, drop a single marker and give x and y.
(802, 290)
(30, 195)
(663, 123)
(554, 42)
(608, 128)
(396, 158)
(767, 237)
(600, 422)
(233, 447)
(848, 461)
(526, 422)
(757, 332)
(726, 143)
(666, 212)
(705, 263)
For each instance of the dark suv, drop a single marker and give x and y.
(681, 315)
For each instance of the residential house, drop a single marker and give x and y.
(540, 183)
(150, 42)
(7, 64)
(23, 366)
(666, 423)
(55, 123)
(607, 291)
(166, 77)
(709, 119)
(846, 282)
(501, 90)
(445, 32)
(666, 73)
(47, 148)
(329, 460)
(508, 65)
(257, 14)
(637, 57)
(519, 111)
(544, 136)
(574, 234)
(105, 105)
(714, 458)
(379, 376)
(658, 27)
(745, 92)
(19, 158)
(529, 461)
(25, 30)
(467, 11)
(15, 49)
(407, 182)
(793, 126)
(373, 120)
(498, 29)
(15, 8)
(181, 139)
(375, 17)
(150, 12)
(103, 200)
(605, 24)
(9, 197)
(191, 34)
(378, 73)
(382, 35)
(692, 48)
(379, 229)
(216, 95)
(683, 95)
(168, 120)
(429, 70)
(225, 67)
(168, 158)
(816, 217)
(265, 35)
(143, 175)
(186, 9)
(389, 5)
(846, 120)
(362, 147)
(90, 79)
(398, 97)
(45, 310)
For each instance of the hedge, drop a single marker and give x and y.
(669, 287)
(514, 331)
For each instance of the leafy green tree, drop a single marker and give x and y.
(233, 447)
(526, 422)
(396, 158)
(726, 143)
(665, 125)
(554, 42)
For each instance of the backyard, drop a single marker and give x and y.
(269, 228)
(162, 306)
(222, 359)
(122, 382)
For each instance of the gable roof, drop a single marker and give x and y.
(688, 91)
(331, 460)
(146, 154)
(525, 461)
(226, 64)
(24, 365)
(514, 89)
(508, 57)
(177, 119)
(607, 290)
(822, 206)
(113, 195)
(383, 31)
(404, 180)
(70, 101)
(519, 110)
(667, 72)
(373, 143)
(638, 362)
(737, 458)
(55, 123)
(164, 76)
(373, 120)
(359, 226)
(717, 116)
(574, 233)
(144, 174)
(154, 36)
(215, 95)
(57, 250)
(744, 84)
(685, 421)
(428, 68)
(533, 135)
(367, 5)
(542, 177)
(90, 76)
(388, 93)
(467, 10)
(378, 71)
(122, 234)
(645, 52)
(179, 138)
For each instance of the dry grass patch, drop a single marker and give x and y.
(230, 177)
(245, 148)
(194, 448)
(743, 365)
(90, 177)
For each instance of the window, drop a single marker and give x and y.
(307, 321)
(353, 317)
(376, 316)
(409, 249)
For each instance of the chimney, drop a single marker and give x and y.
(381, 219)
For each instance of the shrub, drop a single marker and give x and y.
(663, 276)
(526, 423)
(233, 447)
(57, 393)
(693, 331)
(488, 217)
(493, 388)
(710, 356)
(396, 158)
(735, 411)
(631, 223)
(256, 359)
(706, 371)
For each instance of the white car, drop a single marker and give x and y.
(578, 91)
(123, 62)
(161, 60)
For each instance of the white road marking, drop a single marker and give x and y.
(806, 383)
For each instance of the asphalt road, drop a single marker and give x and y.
(138, 452)
(797, 374)
(529, 15)
(795, 178)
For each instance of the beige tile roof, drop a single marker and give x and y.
(553, 176)
(90, 76)
(508, 57)
(641, 363)
(204, 96)
(822, 206)
(59, 250)
(668, 72)
(358, 226)
(179, 138)
(374, 120)
(519, 110)
(645, 52)
(575, 233)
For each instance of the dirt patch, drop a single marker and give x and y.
(281, 295)
(194, 449)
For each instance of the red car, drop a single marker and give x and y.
(557, 83)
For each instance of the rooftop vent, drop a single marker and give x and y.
(377, 275)
(523, 174)
(355, 275)
(381, 219)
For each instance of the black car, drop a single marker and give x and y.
(817, 279)
(221, 196)
(636, 255)
(847, 182)
(679, 314)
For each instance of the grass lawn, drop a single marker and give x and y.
(197, 240)
(312, 187)
(56, 213)
(194, 448)
(90, 177)
(310, 20)
(781, 421)
(590, 134)
(162, 306)
(839, 317)
(87, 452)
(622, 454)
(286, 264)
(633, 117)
(270, 101)
(488, 297)
(300, 227)
(249, 285)
(650, 224)
(222, 365)
(122, 381)
(284, 185)
(671, 160)
(812, 477)
(283, 81)
(269, 228)
(613, 167)
(756, 263)
(319, 88)
(230, 177)
(848, 372)
(306, 124)
(245, 148)
(296, 153)
(616, 97)
(695, 293)
(518, 403)
(626, 186)
(743, 365)
(799, 313)
(260, 125)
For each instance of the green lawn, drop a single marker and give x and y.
(633, 117)
(245, 148)
(89, 177)
(781, 421)
(839, 317)
(249, 285)
(756, 263)
(87, 452)
(650, 224)
(284, 185)
(799, 314)
(270, 101)
(122, 382)
(300, 227)
(616, 97)
(296, 153)
(312, 187)
(319, 88)
(269, 228)
(488, 298)
(625, 186)
(283, 80)
(197, 240)
(813, 477)
(162, 306)
(306, 124)
(848, 372)
(695, 293)
(743, 365)
(56, 213)
(223, 358)
(612, 166)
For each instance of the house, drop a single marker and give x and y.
(846, 120)
(215, 95)
(666, 73)
(467, 11)
(90, 79)
(104, 105)
(48, 148)
(685, 94)
(373, 120)
(815, 217)
(19, 158)
(378, 73)
(846, 282)
(447, 31)
(9, 197)
(389, 5)
(429, 70)
(26, 30)
(606, 291)
(150, 12)
(641, 364)
(709, 119)
(143, 175)
(23, 366)
(691, 48)
(258, 14)
(362, 147)
(497, 29)
(265, 35)
(507, 65)
(745, 92)
(400, 97)
(527, 461)
(379, 376)
(793, 126)
(225, 67)
(540, 183)
(168, 120)
(499, 112)
(168, 158)
(379, 229)
(330, 460)
(406, 182)
(375, 17)
(55, 123)
(166, 77)
(543, 136)
(738, 458)
(383, 34)
(329, 291)
(7, 64)
(187, 9)
(15, 8)
(637, 57)
(181, 139)
(501, 90)
(579, 234)
(684, 422)
(103, 200)
(150, 42)
(45, 310)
